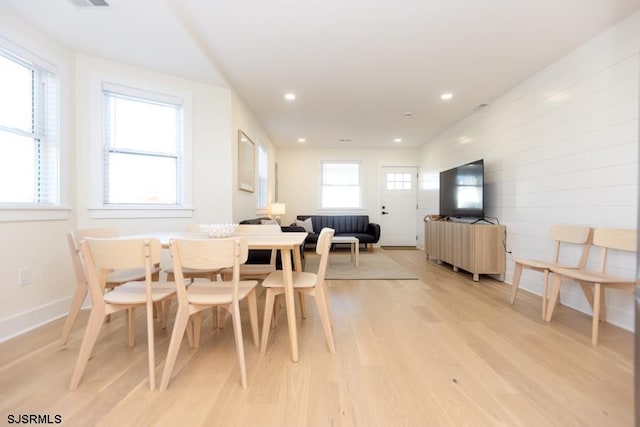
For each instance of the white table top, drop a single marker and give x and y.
(255, 241)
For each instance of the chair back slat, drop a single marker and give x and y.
(120, 254)
(323, 247)
(571, 234)
(576, 234)
(76, 258)
(210, 253)
(615, 238)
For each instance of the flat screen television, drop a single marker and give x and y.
(462, 191)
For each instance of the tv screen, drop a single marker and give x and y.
(462, 191)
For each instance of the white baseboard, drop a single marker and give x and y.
(21, 323)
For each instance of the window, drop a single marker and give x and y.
(341, 184)
(29, 139)
(398, 181)
(263, 178)
(143, 146)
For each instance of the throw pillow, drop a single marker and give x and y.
(268, 222)
(307, 224)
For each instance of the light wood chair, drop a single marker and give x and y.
(101, 256)
(594, 282)
(113, 279)
(192, 274)
(306, 283)
(210, 254)
(255, 271)
(563, 235)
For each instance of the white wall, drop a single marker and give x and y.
(211, 150)
(562, 147)
(244, 203)
(38, 245)
(41, 245)
(299, 178)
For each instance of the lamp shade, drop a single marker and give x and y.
(277, 209)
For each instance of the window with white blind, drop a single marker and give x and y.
(29, 140)
(341, 186)
(263, 178)
(143, 146)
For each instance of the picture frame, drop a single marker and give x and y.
(246, 163)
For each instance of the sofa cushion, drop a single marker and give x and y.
(307, 224)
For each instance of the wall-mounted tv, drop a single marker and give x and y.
(462, 191)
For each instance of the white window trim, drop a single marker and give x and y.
(97, 209)
(260, 145)
(339, 210)
(18, 212)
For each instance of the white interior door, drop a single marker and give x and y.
(398, 206)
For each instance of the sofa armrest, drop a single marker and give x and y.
(374, 230)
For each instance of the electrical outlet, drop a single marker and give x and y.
(24, 276)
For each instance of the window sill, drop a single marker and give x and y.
(22, 213)
(130, 211)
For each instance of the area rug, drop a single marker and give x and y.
(373, 266)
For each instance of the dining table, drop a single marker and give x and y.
(287, 243)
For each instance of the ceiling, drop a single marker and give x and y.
(364, 71)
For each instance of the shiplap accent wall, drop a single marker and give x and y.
(562, 147)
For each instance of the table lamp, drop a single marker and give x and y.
(276, 209)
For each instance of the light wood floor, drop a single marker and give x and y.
(438, 351)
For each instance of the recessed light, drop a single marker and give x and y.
(408, 114)
(302, 140)
(344, 140)
(397, 140)
(290, 96)
(446, 96)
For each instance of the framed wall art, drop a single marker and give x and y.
(246, 163)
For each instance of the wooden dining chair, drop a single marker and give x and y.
(255, 271)
(113, 279)
(210, 254)
(192, 274)
(594, 282)
(562, 235)
(101, 256)
(312, 284)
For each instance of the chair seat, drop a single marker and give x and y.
(214, 293)
(542, 265)
(593, 276)
(135, 293)
(194, 271)
(300, 280)
(123, 276)
(251, 269)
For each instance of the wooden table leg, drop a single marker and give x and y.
(297, 266)
(289, 299)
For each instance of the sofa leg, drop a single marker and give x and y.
(370, 247)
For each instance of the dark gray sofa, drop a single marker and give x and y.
(263, 256)
(358, 226)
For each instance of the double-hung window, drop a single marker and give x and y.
(142, 147)
(341, 186)
(29, 140)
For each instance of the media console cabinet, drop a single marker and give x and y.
(476, 248)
